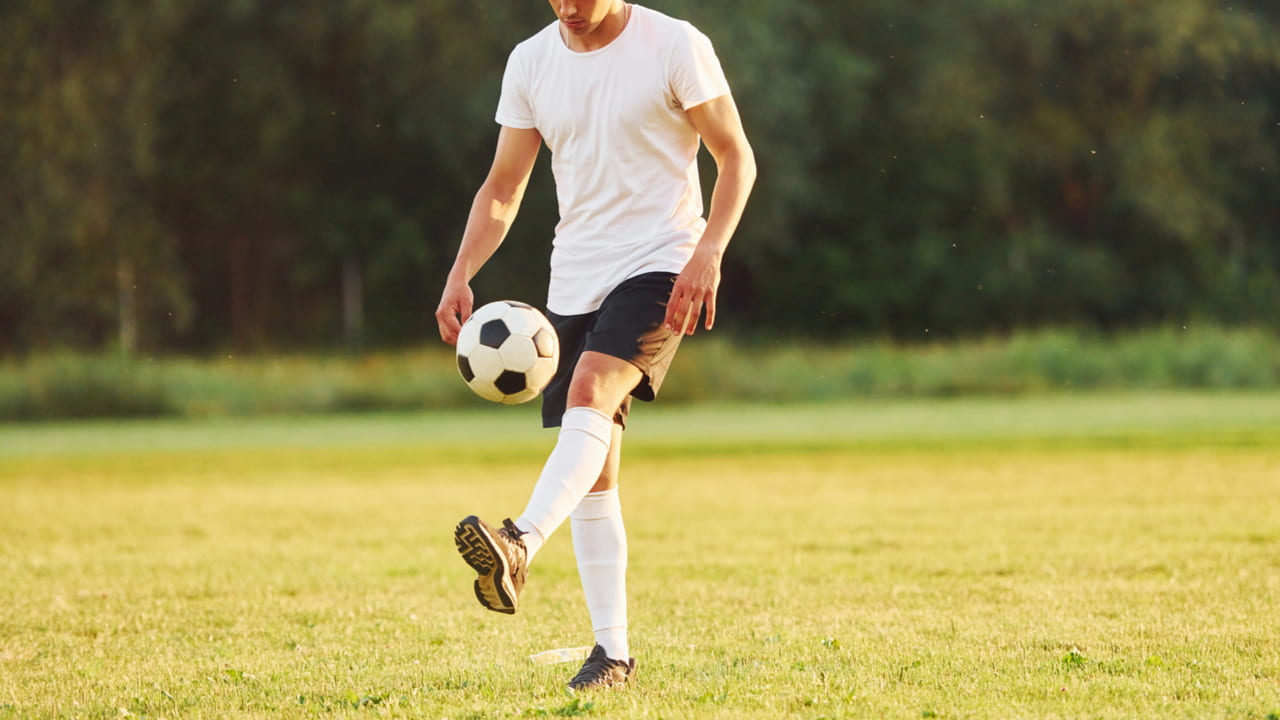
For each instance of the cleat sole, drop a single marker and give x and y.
(479, 550)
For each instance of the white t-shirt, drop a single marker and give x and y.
(623, 153)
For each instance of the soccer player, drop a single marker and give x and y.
(621, 95)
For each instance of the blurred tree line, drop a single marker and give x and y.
(212, 174)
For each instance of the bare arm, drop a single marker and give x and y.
(718, 123)
(492, 212)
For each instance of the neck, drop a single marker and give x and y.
(606, 32)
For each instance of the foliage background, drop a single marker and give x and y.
(207, 175)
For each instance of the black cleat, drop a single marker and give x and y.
(601, 672)
(499, 558)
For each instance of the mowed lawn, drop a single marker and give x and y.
(1072, 557)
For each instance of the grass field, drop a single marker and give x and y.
(1057, 557)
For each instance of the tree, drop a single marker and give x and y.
(84, 252)
(210, 174)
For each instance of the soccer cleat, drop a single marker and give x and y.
(499, 558)
(601, 672)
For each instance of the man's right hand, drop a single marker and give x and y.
(455, 308)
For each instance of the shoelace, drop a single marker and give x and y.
(510, 530)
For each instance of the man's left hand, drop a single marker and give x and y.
(695, 288)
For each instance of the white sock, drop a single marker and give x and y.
(600, 544)
(572, 468)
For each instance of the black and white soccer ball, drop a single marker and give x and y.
(507, 352)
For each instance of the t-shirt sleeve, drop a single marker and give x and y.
(696, 75)
(514, 108)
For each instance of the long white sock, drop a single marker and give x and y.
(572, 468)
(600, 544)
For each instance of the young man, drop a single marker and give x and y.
(621, 95)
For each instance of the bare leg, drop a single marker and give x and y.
(602, 382)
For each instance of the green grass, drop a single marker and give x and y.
(1059, 557)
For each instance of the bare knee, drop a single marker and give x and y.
(602, 382)
(584, 391)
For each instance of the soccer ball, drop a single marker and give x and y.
(507, 352)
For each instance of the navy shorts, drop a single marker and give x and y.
(628, 325)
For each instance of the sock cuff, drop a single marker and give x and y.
(590, 421)
(612, 619)
(598, 506)
(528, 526)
